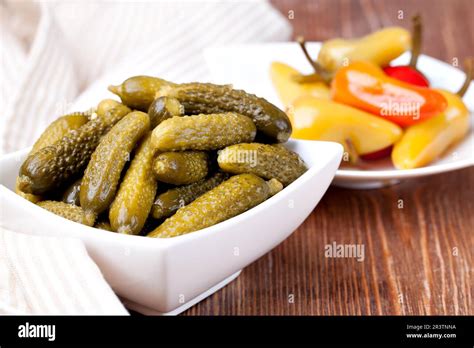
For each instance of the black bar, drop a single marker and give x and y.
(193, 330)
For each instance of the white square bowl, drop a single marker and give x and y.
(167, 276)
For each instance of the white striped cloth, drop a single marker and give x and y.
(59, 56)
(47, 275)
(76, 49)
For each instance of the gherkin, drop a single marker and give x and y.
(104, 225)
(53, 165)
(60, 127)
(163, 108)
(132, 205)
(167, 203)
(266, 161)
(138, 92)
(230, 198)
(69, 211)
(205, 98)
(71, 194)
(181, 168)
(53, 133)
(203, 132)
(102, 174)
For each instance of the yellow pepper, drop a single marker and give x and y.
(425, 141)
(284, 79)
(320, 119)
(379, 47)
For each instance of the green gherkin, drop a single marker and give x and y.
(232, 197)
(202, 132)
(167, 203)
(132, 205)
(53, 133)
(71, 194)
(69, 211)
(60, 127)
(102, 174)
(181, 168)
(266, 161)
(104, 225)
(139, 92)
(163, 108)
(53, 165)
(207, 98)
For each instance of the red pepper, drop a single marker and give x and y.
(409, 73)
(365, 86)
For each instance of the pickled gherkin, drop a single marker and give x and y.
(53, 165)
(266, 161)
(202, 132)
(138, 92)
(53, 133)
(205, 98)
(102, 174)
(104, 225)
(230, 198)
(180, 168)
(163, 108)
(60, 127)
(167, 203)
(71, 194)
(132, 205)
(69, 211)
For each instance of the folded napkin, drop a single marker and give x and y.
(48, 275)
(61, 55)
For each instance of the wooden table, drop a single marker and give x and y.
(419, 258)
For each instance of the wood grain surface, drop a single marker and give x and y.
(418, 235)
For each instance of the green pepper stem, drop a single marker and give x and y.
(417, 34)
(318, 69)
(467, 81)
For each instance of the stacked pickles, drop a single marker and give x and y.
(167, 160)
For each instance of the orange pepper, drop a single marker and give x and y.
(364, 85)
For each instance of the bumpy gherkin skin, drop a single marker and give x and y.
(138, 92)
(71, 194)
(59, 128)
(163, 108)
(53, 133)
(102, 174)
(181, 168)
(230, 198)
(167, 203)
(132, 205)
(207, 98)
(53, 165)
(104, 225)
(202, 132)
(69, 211)
(266, 161)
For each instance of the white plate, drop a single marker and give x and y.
(170, 275)
(247, 67)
